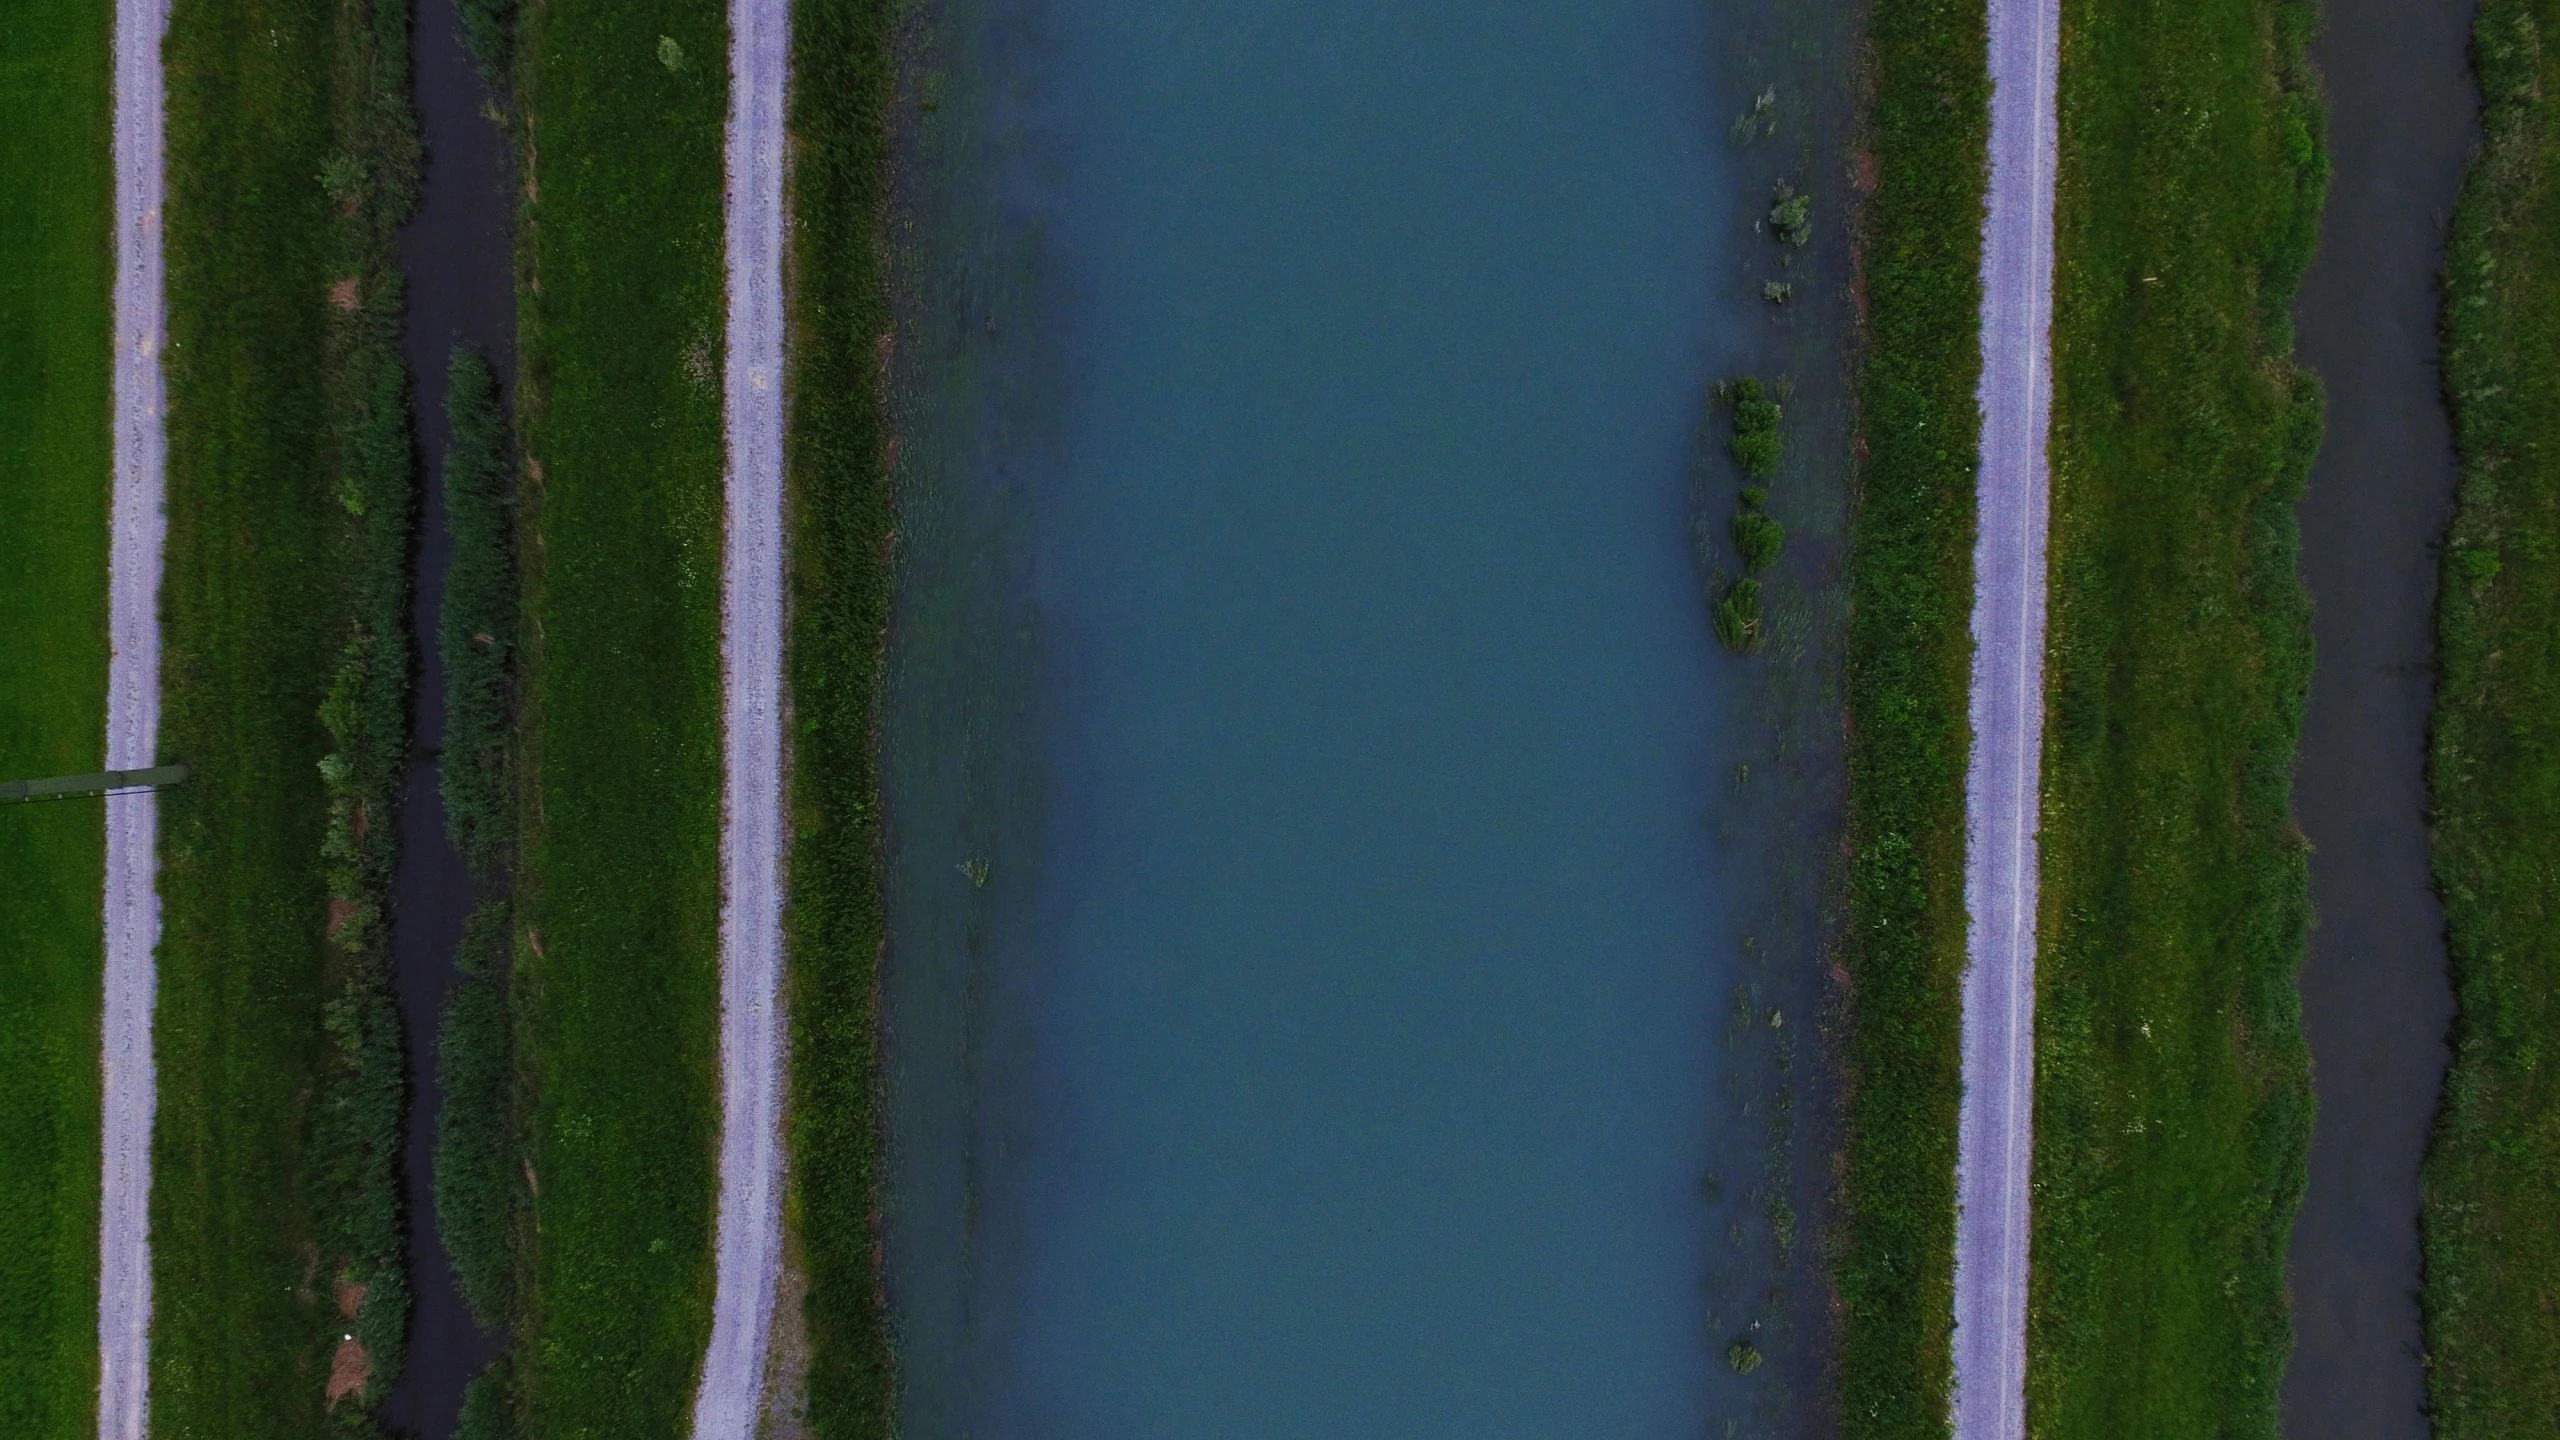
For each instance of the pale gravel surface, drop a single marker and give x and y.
(751, 1024)
(139, 524)
(1994, 1146)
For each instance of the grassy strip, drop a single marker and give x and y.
(56, 249)
(841, 517)
(1910, 583)
(2173, 1101)
(275, 1212)
(2492, 1179)
(621, 108)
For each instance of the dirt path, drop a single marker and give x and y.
(752, 1034)
(1994, 1147)
(132, 908)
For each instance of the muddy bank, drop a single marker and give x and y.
(2375, 999)
(455, 252)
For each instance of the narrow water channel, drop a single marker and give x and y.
(2376, 1002)
(1330, 985)
(460, 286)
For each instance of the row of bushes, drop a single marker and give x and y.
(356, 1126)
(1757, 536)
(2492, 1252)
(477, 629)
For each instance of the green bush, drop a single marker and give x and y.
(1755, 444)
(477, 630)
(488, 32)
(479, 1179)
(1791, 215)
(1758, 536)
(1737, 617)
(488, 1411)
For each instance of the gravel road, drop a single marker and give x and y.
(132, 908)
(752, 1034)
(1995, 1140)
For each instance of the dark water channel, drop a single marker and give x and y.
(1356, 942)
(2376, 1002)
(460, 286)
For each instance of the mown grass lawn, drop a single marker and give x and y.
(622, 107)
(251, 620)
(2492, 1181)
(56, 274)
(2173, 1103)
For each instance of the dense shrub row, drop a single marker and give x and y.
(479, 1177)
(477, 630)
(355, 1134)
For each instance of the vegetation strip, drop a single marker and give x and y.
(280, 1293)
(1995, 1134)
(2172, 1102)
(2492, 1253)
(57, 283)
(138, 535)
(1910, 584)
(749, 1253)
(619, 110)
(841, 508)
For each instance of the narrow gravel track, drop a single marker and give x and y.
(751, 1025)
(1995, 1137)
(132, 910)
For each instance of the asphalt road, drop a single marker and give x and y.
(752, 1033)
(1994, 1147)
(139, 525)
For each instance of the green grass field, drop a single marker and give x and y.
(1911, 596)
(2173, 1103)
(841, 515)
(290, 491)
(250, 634)
(2492, 1185)
(56, 258)
(620, 309)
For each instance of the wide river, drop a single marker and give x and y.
(1317, 915)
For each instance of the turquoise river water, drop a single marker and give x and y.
(1319, 998)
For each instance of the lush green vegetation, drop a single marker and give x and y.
(841, 517)
(2173, 1101)
(620, 116)
(1910, 586)
(2492, 1291)
(275, 1212)
(56, 250)
(477, 630)
(479, 1178)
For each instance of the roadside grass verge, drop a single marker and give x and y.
(2492, 1179)
(841, 514)
(276, 1226)
(2173, 1102)
(1911, 597)
(56, 279)
(621, 109)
